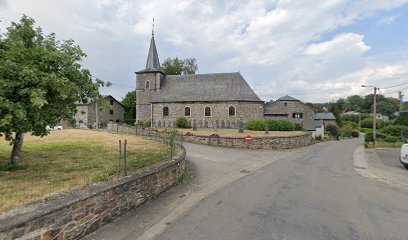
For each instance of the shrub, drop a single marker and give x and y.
(255, 125)
(366, 130)
(368, 123)
(348, 123)
(147, 124)
(391, 139)
(346, 131)
(182, 122)
(350, 118)
(355, 134)
(368, 137)
(332, 130)
(402, 120)
(280, 125)
(298, 127)
(395, 130)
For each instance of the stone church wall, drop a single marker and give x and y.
(244, 111)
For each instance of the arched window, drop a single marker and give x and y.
(231, 111)
(207, 112)
(166, 111)
(187, 112)
(147, 84)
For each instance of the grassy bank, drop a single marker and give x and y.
(67, 160)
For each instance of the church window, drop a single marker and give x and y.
(147, 84)
(207, 112)
(187, 112)
(166, 111)
(231, 111)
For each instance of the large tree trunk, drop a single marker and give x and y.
(18, 144)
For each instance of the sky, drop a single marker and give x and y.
(315, 51)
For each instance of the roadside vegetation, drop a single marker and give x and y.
(70, 159)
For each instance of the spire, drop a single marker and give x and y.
(153, 62)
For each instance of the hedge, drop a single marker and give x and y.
(395, 130)
(255, 125)
(273, 125)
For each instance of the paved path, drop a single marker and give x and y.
(315, 195)
(209, 169)
(382, 165)
(309, 193)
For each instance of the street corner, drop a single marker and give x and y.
(381, 164)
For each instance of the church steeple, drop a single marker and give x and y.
(153, 63)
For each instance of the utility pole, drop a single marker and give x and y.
(375, 115)
(374, 112)
(400, 99)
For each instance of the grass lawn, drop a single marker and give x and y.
(234, 132)
(70, 159)
(381, 144)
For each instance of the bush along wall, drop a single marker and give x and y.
(273, 125)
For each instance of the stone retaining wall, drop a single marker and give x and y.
(80, 212)
(263, 142)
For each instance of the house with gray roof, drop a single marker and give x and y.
(289, 108)
(326, 117)
(89, 113)
(208, 100)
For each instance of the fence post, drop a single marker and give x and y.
(125, 155)
(120, 153)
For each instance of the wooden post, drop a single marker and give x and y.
(120, 153)
(124, 157)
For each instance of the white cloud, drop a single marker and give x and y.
(344, 42)
(386, 20)
(268, 41)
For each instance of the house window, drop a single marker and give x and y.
(111, 102)
(147, 84)
(297, 115)
(187, 112)
(285, 104)
(166, 111)
(207, 112)
(231, 111)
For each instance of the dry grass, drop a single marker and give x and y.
(235, 133)
(70, 159)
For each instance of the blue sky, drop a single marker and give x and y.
(316, 51)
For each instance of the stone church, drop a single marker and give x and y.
(208, 100)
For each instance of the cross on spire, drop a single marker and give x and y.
(153, 27)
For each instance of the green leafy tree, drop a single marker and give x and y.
(129, 103)
(40, 80)
(176, 66)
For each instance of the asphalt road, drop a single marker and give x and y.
(390, 157)
(311, 194)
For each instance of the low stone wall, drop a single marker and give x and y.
(256, 142)
(75, 214)
(271, 142)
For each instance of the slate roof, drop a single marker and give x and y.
(152, 63)
(311, 125)
(90, 101)
(214, 87)
(287, 98)
(324, 116)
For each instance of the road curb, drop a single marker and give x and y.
(361, 158)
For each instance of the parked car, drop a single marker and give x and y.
(404, 155)
(56, 127)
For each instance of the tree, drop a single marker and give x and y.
(40, 80)
(129, 103)
(176, 66)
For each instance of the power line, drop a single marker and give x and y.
(397, 90)
(395, 85)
